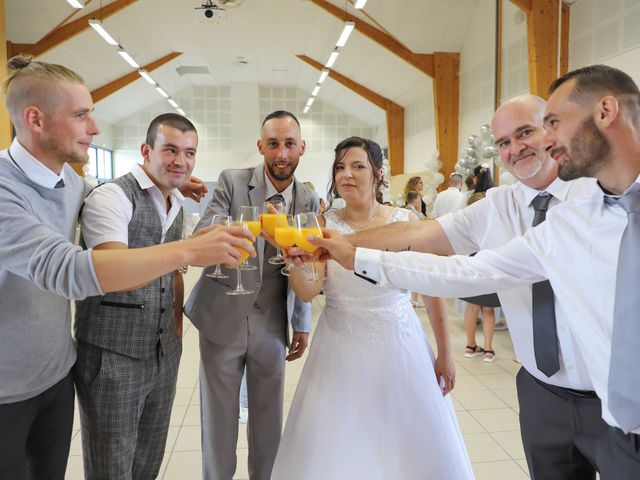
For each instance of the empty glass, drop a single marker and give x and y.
(219, 220)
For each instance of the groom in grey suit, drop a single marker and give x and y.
(250, 330)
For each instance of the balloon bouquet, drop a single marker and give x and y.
(481, 147)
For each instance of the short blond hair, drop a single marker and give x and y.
(30, 82)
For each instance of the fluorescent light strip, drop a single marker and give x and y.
(360, 4)
(173, 103)
(323, 75)
(144, 74)
(310, 101)
(332, 59)
(315, 91)
(344, 36)
(128, 58)
(75, 4)
(97, 26)
(181, 112)
(306, 109)
(162, 92)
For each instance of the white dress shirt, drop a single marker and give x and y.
(448, 201)
(506, 213)
(576, 248)
(107, 211)
(33, 168)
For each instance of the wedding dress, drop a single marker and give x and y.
(368, 405)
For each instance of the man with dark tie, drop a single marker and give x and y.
(587, 248)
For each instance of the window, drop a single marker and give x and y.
(100, 163)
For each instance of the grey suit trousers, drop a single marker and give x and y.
(560, 430)
(260, 344)
(125, 406)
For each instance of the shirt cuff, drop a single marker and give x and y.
(367, 265)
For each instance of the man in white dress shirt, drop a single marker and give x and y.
(451, 199)
(560, 417)
(593, 129)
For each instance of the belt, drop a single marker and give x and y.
(632, 438)
(570, 391)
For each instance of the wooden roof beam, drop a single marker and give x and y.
(422, 61)
(65, 32)
(394, 112)
(112, 87)
(543, 18)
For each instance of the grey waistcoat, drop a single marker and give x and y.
(132, 323)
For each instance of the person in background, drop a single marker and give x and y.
(413, 203)
(481, 183)
(41, 196)
(451, 199)
(129, 343)
(416, 184)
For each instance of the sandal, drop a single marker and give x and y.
(491, 357)
(473, 351)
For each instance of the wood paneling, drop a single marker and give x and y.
(446, 99)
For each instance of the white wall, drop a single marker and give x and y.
(515, 56)
(228, 120)
(606, 32)
(419, 133)
(477, 73)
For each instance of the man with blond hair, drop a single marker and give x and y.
(40, 197)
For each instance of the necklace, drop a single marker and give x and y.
(360, 227)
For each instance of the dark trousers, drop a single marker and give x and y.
(560, 430)
(35, 434)
(619, 455)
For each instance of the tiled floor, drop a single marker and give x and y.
(484, 398)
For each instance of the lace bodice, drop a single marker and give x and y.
(347, 293)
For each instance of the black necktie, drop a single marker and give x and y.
(624, 381)
(60, 184)
(276, 198)
(545, 336)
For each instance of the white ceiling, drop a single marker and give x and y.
(267, 33)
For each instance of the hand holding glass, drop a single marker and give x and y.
(219, 220)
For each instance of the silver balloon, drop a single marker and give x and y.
(471, 140)
(485, 132)
(489, 151)
(478, 142)
(470, 152)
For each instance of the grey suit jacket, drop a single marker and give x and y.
(216, 314)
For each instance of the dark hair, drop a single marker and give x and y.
(469, 182)
(483, 179)
(411, 196)
(280, 114)
(598, 79)
(374, 154)
(171, 120)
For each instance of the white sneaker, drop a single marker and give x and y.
(244, 414)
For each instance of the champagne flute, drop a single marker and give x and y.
(240, 290)
(272, 220)
(286, 236)
(307, 224)
(219, 220)
(249, 215)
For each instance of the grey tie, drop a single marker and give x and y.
(276, 198)
(624, 381)
(60, 184)
(545, 336)
(269, 250)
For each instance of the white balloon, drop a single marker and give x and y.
(435, 155)
(439, 178)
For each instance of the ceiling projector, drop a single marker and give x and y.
(209, 12)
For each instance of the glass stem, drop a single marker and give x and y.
(239, 285)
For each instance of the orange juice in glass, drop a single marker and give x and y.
(307, 225)
(254, 227)
(286, 237)
(304, 243)
(270, 221)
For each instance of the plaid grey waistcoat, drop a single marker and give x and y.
(132, 323)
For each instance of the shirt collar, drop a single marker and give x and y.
(146, 183)
(287, 193)
(33, 168)
(558, 189)
(634, 186)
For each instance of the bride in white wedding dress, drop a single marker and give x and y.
(368, 405)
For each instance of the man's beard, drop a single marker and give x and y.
(283, 175)
(70, 156)
(589, 151)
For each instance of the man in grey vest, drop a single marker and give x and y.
(128, 342)
(250, 330)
